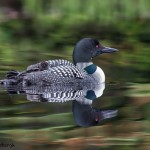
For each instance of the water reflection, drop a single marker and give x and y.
(86, 116)
(82, 98)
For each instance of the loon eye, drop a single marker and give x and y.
(97, 118)
(97, 46)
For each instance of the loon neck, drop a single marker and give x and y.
(93, 70)
(83, 65)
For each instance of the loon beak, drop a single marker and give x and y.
(108, 50)
(103, 49)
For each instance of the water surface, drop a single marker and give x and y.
(43, 125)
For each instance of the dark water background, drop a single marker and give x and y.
(50, 31)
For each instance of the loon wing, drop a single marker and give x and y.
(45, 65)
(54, 75)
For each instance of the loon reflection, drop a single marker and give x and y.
(82, 98)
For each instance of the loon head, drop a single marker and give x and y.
(88, 48)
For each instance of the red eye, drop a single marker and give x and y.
(97, 46)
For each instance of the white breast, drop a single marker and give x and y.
(99, 75)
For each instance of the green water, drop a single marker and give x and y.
(42, 125)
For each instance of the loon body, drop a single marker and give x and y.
(81, 71)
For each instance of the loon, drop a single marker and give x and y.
(81, 71)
